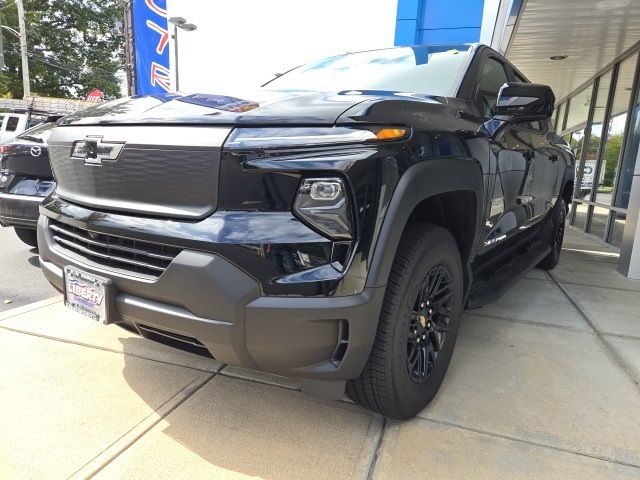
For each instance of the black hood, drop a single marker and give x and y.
(262, 107)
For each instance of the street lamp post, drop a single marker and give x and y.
(179, 22)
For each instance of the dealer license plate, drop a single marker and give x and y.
(87, 294)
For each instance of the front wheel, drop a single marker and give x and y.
(417, 328)
(28, 236)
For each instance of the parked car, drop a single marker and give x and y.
(13, 124)
(25, 179)
(331, 228)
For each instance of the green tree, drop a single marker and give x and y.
(74, 47)
(611, 156)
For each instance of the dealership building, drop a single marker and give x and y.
(586, 50)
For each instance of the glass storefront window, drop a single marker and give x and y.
(630, 156)
(579, 107)
(588, 165)
(575, 140)
(615, 131)
(559, 117)
(599, 220)
(581, 215)
(617, 228)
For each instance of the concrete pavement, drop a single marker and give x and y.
(544, 383)
(21, 282)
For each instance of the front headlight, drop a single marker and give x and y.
(291, 137)
(323, 203)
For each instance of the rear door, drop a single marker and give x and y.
(551, 168)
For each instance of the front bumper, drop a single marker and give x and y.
(204, 300)
(19, 210)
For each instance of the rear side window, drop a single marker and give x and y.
(492, 78)
(39, 133)
(12, 124)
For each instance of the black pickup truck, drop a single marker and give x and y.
(331, 227)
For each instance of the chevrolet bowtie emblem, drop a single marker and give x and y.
(94, 150)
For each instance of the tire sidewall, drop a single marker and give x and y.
(412, 396)
(558, 222)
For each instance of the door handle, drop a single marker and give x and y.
(529, 154)
(553, 158)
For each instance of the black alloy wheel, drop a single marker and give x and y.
(418, 325)
(429, 323)
(558, 237)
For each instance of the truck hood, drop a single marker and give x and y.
(259, 107)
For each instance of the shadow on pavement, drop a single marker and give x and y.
(249, 428)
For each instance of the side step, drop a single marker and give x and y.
(504, 278)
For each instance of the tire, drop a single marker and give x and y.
(389, 383)
(28, 236)
(557, 236)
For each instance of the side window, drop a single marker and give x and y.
(12, 124)
(493, 76)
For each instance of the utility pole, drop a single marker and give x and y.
(1, 45)
(23, 50)
(129, 48)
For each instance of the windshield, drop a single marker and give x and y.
(422, 69)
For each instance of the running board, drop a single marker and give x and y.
(507, 276)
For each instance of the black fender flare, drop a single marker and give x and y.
(421, 181)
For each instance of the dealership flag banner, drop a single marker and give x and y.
(151, 40)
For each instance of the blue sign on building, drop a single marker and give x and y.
(151, 39)
(438, 22)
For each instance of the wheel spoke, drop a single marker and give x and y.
(441, 327)
(423, 362)
(434, 283)
(433, 358)
(413, 359)
(443, 296)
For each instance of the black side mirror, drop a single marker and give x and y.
(523, 101)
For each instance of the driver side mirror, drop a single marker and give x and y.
(524, 101)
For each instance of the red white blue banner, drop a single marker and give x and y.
(151, 43)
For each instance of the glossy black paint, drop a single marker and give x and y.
(25, 171)
(507, 172)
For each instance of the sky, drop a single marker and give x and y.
(240, 44)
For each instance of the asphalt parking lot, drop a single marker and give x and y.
(21, 282)
(543, 384)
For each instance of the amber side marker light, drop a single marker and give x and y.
(391, 133)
